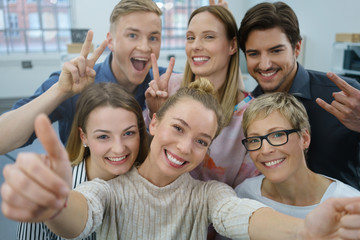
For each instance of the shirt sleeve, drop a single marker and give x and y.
(230, 214)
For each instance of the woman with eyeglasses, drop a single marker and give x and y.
(277, 132)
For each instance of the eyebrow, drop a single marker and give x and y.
(107, 131)
(272, 48)
(137, 30)
(187, 125)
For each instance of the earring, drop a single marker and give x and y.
(85, 146)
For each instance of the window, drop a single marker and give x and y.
(34, 25)
(174, 20)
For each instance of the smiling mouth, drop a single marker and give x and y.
(200, 59)
(139, 63)
(116, 159)
(174, 160)
(273, 163)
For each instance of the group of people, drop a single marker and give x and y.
(203, 126)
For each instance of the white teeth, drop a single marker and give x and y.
(141, 59)
(272, 163)
(173, 160)
(116, 159)
(199, 59)
(268, 74)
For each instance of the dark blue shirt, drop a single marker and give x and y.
(65, 112)
(334, 149)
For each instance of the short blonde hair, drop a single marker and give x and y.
(125, 7)
(286, 104)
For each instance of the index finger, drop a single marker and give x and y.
(342, 84)
(48, 138)
(85, 49)
(165, 78)
(97, 53)
(155, 68)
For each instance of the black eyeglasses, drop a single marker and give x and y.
(276, 138)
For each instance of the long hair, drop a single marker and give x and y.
(103, 94)
(228, 92)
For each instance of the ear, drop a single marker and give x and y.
(110, 39)
(306, 138)
(153, 125)
(82, 136)
(233, 46)
(298, 48)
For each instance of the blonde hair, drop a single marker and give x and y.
(201, 90)
(228, 92)
(286, 104)
(125, 7)
(100, 95)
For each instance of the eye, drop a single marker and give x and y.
(276, 50)
(202, 142)
(190, 38)
(153, 38)
(178, 128)
(132, 35)
(251, 54)
(277, 134)
(253, 140)
(209, 37)
(129, 133)
(103, 137)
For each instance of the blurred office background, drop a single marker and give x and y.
(34, 35)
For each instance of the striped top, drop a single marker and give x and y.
(39, 231)
(132, 208)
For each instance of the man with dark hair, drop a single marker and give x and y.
(270, 38)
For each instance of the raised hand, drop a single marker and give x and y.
(346, 106)
(36, 186)
(157, 93)
(220, 2)
(78, 72)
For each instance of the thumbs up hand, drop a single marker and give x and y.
(37, 185)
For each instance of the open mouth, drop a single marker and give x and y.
(200, 59)
(117, 159)
(139, 63)
(273, 163)
(176, 162)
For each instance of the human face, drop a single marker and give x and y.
(271, 60)
(278, 163)
(113, 138)
(207, 48)
(181, 140)
(135, 37)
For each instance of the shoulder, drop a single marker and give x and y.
(340, 189)
(249, 186)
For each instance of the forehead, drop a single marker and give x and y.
(106, 116)
(207, 22)
(266, 39)
(273, 120)
(140, 20)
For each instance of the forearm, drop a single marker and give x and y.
(16, 126)
(72, 219)
(268, 224)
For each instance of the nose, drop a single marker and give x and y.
(118, 146)
(265, 62)
(197, 44)
(144, 45)
(184, 145)
(266, 147)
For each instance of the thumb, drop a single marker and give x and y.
(56, 151)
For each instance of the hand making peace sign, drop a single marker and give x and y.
(157, 93)
(78, 72)
(346, 106)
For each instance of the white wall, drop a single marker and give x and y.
(319, 21)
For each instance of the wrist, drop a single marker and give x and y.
(57, 213)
